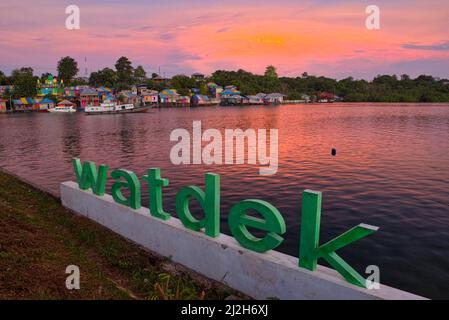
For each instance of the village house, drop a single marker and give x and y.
(51, 86)
(66, 103)
(255, 99)
(150, 97)
(5, 90)
(3, 105)
(89, 96)
(169, 97)
(25, 105)
(45, 104)
(274, 98)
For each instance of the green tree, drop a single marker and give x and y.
(125, 72)
(3, 78)
(140, 74)
(183, 84)
(24, 82)
(270, 72)
(67, 69)
(105, 77)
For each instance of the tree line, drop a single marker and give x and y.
(383, 88)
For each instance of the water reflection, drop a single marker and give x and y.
(390, 171)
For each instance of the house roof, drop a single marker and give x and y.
(65, 103)
(274, 95)
(22, 101)
(46, 100)
(88, 91)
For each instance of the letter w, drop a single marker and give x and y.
(87, 176)
(310, 250)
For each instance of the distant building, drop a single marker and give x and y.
(198, 76)
(51, 86)
(45, 104)
(4, 90)
(150, 97)
(25, 105)
(3, 105)
(169, 96)
(255, 99)
(130, 97)
(274, 98)
(89, 96)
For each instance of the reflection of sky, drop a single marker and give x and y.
(320, 37)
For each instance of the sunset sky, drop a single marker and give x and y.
(184, 36)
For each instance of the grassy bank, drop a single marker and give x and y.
(39, 239)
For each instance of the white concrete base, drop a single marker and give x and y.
(262, 276)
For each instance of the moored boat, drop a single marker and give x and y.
(62, 109)
(112, 108)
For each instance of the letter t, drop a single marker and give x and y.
(155, 184)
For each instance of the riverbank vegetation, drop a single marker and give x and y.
(39, 238)
(383, 88)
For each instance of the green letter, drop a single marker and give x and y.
(274, 223)
(132, 183)
(310, 250)
(209, 201)
(155, 184)
(87, 176)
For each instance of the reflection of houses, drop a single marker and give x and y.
(274, 98)
(3, 105)
(25, 105)
(45, 104)
(51, 86)
(89, 96)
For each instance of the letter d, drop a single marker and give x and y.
(209, 201)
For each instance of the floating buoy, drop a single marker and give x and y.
(334, 152)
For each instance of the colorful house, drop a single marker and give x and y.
(51, 86)
(45, 104)
(274, 98)
(3, 105)
(65, 103)
(89, 96)
(4, 90)
(169, 96)
(25, 105)
(150, 97)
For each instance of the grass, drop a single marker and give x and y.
(39, 238)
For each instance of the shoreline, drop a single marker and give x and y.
(40, 238)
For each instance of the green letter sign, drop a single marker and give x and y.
(310, 250)
(132, 183)
(155, 184)
(87, 176)
(209, 201)
(273, 223)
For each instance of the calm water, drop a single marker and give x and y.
(391, 171)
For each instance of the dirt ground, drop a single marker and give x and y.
(39, 238)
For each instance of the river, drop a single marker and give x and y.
(391, 170)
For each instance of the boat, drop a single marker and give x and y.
(62, 109)
(113, 108)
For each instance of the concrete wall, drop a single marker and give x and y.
(262, 276)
